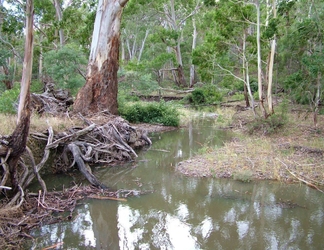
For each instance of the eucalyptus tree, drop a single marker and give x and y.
(301, 52)
(59, 16)
(138, 22)
(100, 91)
(11, 41)
(228, 49)
(167, 31)
(176, 15)
(18, 139)
(270, 68)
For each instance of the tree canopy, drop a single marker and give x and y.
(162, 41)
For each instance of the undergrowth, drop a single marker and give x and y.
(272, 123)
(154, 112)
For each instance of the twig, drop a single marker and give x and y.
(53, 246)
(160, 150)
(300, 179)
(106, 198)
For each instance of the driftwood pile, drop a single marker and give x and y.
(106, 144)
(52, 101)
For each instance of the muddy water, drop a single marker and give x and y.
(191, 213)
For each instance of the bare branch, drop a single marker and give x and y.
(228, 71)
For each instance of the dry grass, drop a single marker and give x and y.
(8, 123)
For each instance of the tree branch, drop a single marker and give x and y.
(226, 70)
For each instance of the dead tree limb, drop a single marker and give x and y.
(71, 137)
(84, 169)
(300, 179)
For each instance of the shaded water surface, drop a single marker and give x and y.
(191, 213)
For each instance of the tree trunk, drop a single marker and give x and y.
(100, 91)
(194, 43)
(59, 18)
(271, 63)
(172, 21)
(40, 61)
(142, 47)
(260, 85)
(18, 139)
(317, 97)
(245, 77)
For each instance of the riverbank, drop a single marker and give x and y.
(291, 152)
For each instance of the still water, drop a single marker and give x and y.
(190, 213)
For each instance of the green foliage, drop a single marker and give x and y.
(9, 100)
(63, 66)
(271, 29)
(134, 81)
(243, 175)
(36, 87)
(256, 95)
(154, 112)
(285, 7)
(207, 94)
(13, 22)
(198, 97)
(238, 96)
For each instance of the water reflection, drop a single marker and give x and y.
(191, 213)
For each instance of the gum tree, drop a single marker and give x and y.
(18, 139)
(100, 91)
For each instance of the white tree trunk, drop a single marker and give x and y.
(28, 61)
(271, 63)
(101, 88)
(142, 47)
(246, 73)
(59, 18)
(260, 85)
(107, 25)
(317, 98)
(194, 43)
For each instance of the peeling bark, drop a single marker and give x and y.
(100, 91)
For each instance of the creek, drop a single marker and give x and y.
(186, 212)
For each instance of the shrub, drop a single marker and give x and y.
(9, 100)
(198, 97)
(244, 175)
(132, 81)
(272, 123)
(154, 112)
(207, 94)
(63, 67)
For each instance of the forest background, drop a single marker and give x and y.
(250, 49)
